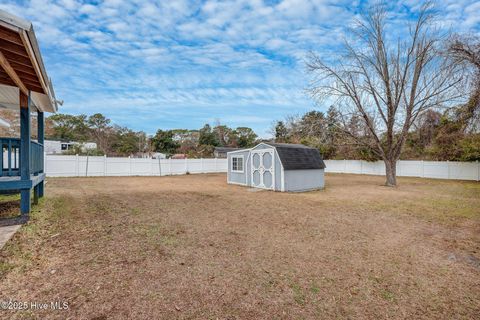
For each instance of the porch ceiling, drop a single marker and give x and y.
(21, 66)
(9, 99)
(4, 123)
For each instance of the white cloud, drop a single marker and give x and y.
(207, 56)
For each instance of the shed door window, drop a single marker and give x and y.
(237, 164)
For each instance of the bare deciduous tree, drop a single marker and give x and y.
(387, 82)
(465, 52)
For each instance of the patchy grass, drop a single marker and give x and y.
(5, 267)
(298, 294)
(193, 247)
(9, 205)
(8, 197)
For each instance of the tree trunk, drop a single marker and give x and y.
(391, 172)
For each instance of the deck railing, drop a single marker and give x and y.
(36, 158)
(10, 157)
(10, 160)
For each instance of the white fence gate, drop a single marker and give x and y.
(81, 166)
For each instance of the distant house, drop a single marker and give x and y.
(60, 147)
(179, 156)
(221, 152)
(158, 155)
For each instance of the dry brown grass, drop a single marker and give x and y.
(193, 247)
(9, 205)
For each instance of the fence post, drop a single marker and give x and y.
(86, 167)
(201, 165)
(186, 165)
(478, 170)
(170, 166)
(361, 166)
(215, 163)
(129, 165)
(423, 169)
(344, 166)
(448, 169)
(77, 166)
(104, 165)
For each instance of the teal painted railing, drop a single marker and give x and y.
(36, 158)
(10, 157)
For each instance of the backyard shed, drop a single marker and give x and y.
(277, 166)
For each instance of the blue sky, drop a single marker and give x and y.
(179, 64)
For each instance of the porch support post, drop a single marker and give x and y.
(36, 191)
(25, 150)
(41, 140)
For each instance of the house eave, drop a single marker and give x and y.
(45, 101)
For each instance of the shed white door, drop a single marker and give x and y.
(263, 169)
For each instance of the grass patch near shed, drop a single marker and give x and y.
(194, 247)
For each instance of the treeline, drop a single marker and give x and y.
(114, 140)
(449, 135)
(201, 143)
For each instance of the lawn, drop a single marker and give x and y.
(193, 247)
(9, 205)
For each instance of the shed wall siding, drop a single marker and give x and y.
(238, 177)
(278, 172)
(302, 180)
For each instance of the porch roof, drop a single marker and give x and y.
(4, 123)
(21, 66)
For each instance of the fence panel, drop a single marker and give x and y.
(81, 166)
(61, 166)
(436, 169)
(410, 168)
(117, 167)
(140, 167)
(353, 166)
(222, 166)
(91, 166)
(335, 166)
(375, 168)
(464, 170)
(75, 166)
(195, 165)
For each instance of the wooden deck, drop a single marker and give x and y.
(16, 183)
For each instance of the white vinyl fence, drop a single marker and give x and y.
(410, 168)
(81, 166)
